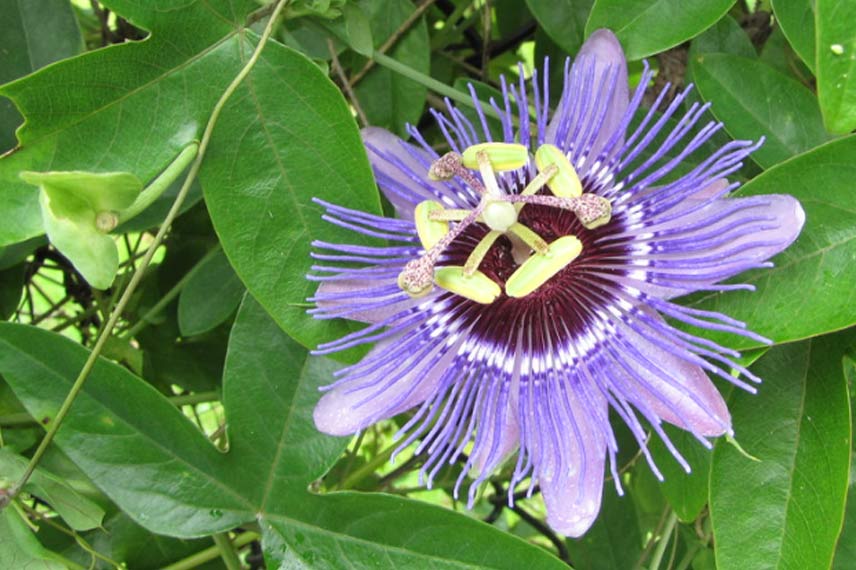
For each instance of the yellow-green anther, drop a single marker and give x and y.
(429, 229)
(477, 287)
(479, 251)
(530, 238)
(539, 268)
(499, 216)
(565, 183)
(502, 156)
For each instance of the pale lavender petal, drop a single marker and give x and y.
(573, 492)
(351, 406)
(675, 389)
(699, 243)
(401, 170)
(595, 97)
(334, 297)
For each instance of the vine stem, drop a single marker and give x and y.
(431, 83)
(664, 541)
(11, 493)
(228, 552)
(210, 553)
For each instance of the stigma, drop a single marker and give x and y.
(438, 227)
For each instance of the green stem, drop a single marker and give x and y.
(25, 419)
(210, 553)
(153, 191)
(164, 301)
(664, 541)
(370, 467)
(228, 552)
(431, 83)
(77, 386)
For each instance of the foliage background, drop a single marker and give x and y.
(191, 444)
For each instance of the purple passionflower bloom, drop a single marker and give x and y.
(521, 293)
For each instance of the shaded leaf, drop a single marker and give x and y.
(686, 492)
(35, 33)
(795, 18)
(613, 542)
(11, 289)
(77, 511)
(389, 99)
(793, 498)
(726, 36)
(20, 548)
(210, 296)
(563, 20)
(646, 27)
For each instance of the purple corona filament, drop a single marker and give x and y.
(537, 371)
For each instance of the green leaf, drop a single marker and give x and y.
(126, 108)
(726, 36)
(836, 63)
(156, 465)
(210, 296)
(820, 261)
(79, 512)
(299, 142)
(20, 548)
(793, 499)
(686, 492)
(140, 549)
(563, 20)
(779, 54)
(35, 33)
(358, 30)
(755, 100)
(793, 17)
(646, 27)
(11, 289)
(845, 552)
(389, 99)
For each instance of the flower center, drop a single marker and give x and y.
(538, 261)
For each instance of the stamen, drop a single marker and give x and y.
(450, 165)
(502, 156)
(488, 175)
(566, 183)
(539, 268)
(592, 210)
(530, 238)
(479, 251)
(449, 215)
(477, 287)
(540, 180)
(417, 277)
(430, 228)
